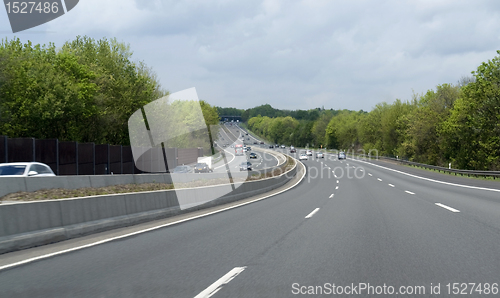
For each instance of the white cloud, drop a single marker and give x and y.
(294, 54)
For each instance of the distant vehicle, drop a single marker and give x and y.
(248, 139)
(309, 153)
(283, 146)
(303, 156)
(292, 150)
(276, 146)
(207, 160)
(341, 155)
(320, 155)
(25, 169)
(182, 169)
(255, 143)
(202, 168)
(253, 155)
(262, 143)
(238, 149)
(271, 146)
(245, 166)
(247, 133)
(249, 148)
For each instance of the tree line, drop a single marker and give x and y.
(84, 91)
(454, 123)
(269, 111)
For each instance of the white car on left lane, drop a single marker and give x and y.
(25, 169)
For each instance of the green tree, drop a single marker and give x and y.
(46, 94)
(472, 131)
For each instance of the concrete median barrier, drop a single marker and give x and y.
(29, 224)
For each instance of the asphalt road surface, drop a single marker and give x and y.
(349, 226)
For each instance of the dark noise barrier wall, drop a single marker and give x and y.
(33, 224)
(73, 158)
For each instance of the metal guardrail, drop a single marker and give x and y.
(469, 173)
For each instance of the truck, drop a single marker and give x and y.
(207, 160)
(238, 149)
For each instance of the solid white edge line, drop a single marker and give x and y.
(447, 207)
(412, 193)
(312, 213)
(428, 179)
(216, 286)
(145, 230)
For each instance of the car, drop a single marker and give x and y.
(25, 169)
(283, 146)
(262, 143)
(292, 150)
(182, 169)
(320, 155)
(309, 153)
(249, 148)
(253, 156)
(255, 143)
(246, 166)
(341, 155)
(271, 146)
(202, 168)
(246, 134)
(303, 156)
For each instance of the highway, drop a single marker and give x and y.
(349, 225)
(231, 135)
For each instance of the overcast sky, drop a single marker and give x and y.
(291, 54)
